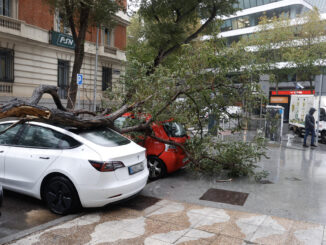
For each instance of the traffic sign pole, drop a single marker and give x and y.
(79, 83)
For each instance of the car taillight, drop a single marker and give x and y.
(106, 166)
(172, 148)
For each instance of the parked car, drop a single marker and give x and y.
(68, 168)
(161, 158)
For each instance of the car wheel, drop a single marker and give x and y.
(156, 167)
(299, 132)
(323, 137)
(60, 196)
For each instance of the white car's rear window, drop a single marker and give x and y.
(104, 137)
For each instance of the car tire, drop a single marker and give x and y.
(156, 167)
(61, 196)
(299, 132)
(323, 137)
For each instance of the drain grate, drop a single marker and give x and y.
(140, 202)
(224, 196)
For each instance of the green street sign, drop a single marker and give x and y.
(62, 40)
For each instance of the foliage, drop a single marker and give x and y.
(168, 24)
(284, 46)
(80, 15)
(237, 158)
(201, 78)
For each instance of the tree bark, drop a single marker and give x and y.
(79, 50)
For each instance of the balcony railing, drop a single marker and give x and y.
(6, 88)
(110, 50)
(9, 23)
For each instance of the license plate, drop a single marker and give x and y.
(136, 168)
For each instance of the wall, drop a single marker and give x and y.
(120, 37)
(37, 13)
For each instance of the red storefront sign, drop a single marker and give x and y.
(291, 92)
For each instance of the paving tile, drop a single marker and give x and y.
(227, 240)
(306, 233)
(248, 218)
(118, 213)
(153, 227)
(170, 237)
(194, 233)
(192, 241)
(240, 230)
(170, 208)
(151, 241)
(209, 212)
(212, 225)
(151, 209)
(278, 223)
(268, 236)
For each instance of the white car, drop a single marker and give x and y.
(68, 168)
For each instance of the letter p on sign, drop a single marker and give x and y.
(79, 79)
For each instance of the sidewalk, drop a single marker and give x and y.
(167, 222)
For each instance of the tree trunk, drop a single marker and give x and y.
(78, 62)
(79, 38)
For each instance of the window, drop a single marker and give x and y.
(8, 137)
(105, 137)
(5, 8)
(62, 26)
(6, 65)
(253, 3)
(246, 4)
(106, 78)
(174, 129)
(108, 37)
(40, 137)
(63, 78)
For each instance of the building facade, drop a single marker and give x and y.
(244, 23)
(37, 48)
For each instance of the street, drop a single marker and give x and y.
(292, 195)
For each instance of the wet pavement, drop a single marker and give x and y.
(276, 212)
(166, 222)
(295, 187)
(20, 212)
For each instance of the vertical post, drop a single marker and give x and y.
(78, 91)
(318, 115)
(95, 74)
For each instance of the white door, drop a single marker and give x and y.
(34, 152)
(6, 140)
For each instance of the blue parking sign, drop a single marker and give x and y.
(79, 79)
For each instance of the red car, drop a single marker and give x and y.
(161, 158)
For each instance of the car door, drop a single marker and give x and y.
(35, 150)
(6, 140)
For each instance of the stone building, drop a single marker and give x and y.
(36, 48)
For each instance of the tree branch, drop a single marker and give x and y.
(46, 89)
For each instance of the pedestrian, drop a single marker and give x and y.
(309, 124)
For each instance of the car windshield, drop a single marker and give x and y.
(174, 129)
(124, 122)
(104, 137)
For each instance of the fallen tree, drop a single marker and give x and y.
(184, 90)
